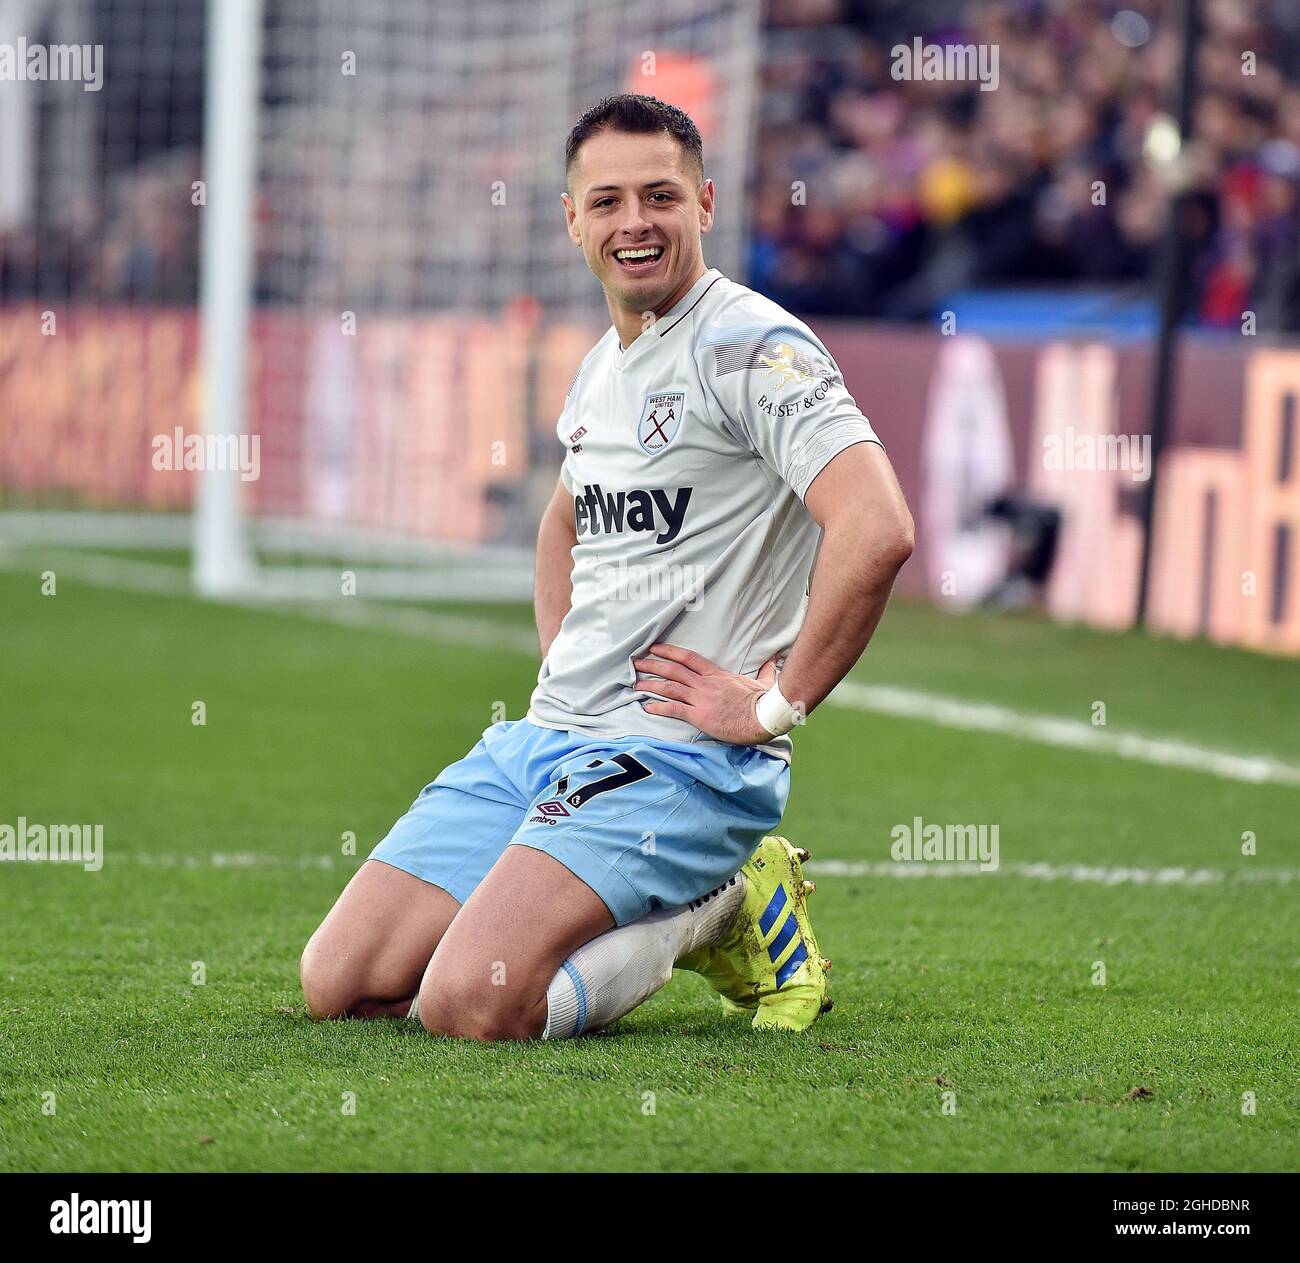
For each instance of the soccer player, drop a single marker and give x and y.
(718, 552)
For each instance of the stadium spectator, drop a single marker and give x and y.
(873, 196)
(879, 197)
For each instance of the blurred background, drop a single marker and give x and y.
(1068, 296)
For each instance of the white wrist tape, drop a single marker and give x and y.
(774, 712)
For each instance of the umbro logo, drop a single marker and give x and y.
(549, 812)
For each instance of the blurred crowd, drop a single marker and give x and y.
(874, 196)
(132, 242)
(917, 190)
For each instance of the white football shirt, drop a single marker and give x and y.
(688, 458)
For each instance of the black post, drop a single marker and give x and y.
(1172, 264)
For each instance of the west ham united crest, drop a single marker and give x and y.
(661, 418)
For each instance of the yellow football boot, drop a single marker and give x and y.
(767, 962)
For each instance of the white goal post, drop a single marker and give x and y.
(222, 561)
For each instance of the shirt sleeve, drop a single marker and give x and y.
(563, 427)
(783, 396)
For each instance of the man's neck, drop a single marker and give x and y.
(630, 324)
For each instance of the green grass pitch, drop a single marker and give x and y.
(978, 986)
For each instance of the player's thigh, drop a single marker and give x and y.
(373, 948)
(489, 975)
(370, 952)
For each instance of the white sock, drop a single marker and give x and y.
(611, 975)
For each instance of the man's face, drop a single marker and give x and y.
(633, 191)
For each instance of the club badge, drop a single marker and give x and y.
(661, 418)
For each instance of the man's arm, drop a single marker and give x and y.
(868, 535)
(553, 587)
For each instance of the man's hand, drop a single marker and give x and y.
(716, 702)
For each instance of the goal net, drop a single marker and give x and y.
(327, 304)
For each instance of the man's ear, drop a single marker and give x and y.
(706, 206)
(571, 219)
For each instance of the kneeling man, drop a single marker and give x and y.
(548, 882)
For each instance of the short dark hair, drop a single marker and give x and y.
(629, 112)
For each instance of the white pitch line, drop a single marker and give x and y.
(884, 699)
(163, 580)
(479, 633)
(1092, 874)
(105, 572)
(1071, 734)
(238, 859)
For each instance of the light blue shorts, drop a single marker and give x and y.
(645, 823)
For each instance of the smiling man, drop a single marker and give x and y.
(548, 883)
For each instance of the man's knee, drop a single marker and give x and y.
(328, 988)
(461, 1006)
